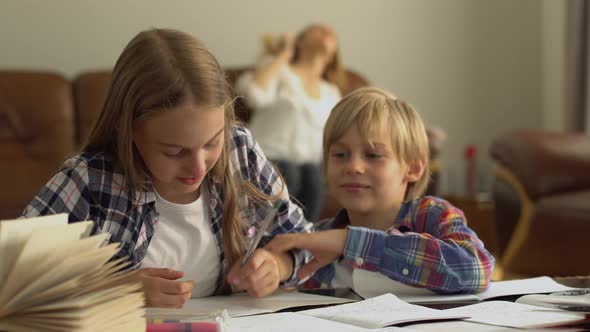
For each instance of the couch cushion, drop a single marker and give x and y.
(574, 206)
(545, 162)
(37, 134)
(90, 92)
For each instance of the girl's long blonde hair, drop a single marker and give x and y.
(160, 69)
(373, 110)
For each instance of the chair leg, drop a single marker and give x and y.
(521, 231)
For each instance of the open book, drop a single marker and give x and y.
(370, 284)
(54, 277)
(240, 304)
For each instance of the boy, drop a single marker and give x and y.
(376, 166)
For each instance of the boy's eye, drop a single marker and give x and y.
(373, 155)
(338, 154)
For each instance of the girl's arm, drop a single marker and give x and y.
(259, 86)
(67, 192)
(441, 253)
(257, 96)
(264, 74)
(261, 172)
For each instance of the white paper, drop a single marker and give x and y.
(287, 322)
(509, 314)
(241, 304)
(522, 287)
(370, 284)
(570, 302)
(379, 312)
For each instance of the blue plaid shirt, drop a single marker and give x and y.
(89, 188)
(428, 245)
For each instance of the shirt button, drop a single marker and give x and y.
(359, 261)
(405, 271)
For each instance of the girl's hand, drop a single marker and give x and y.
(325, 246)
(261, 275)
(161, 287)
(287, 47)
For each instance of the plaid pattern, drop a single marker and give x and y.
(429, 245)
(89, 188)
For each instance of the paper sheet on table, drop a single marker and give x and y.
(522, 287)
(379, 312)
(288, 322)
(509, 314)
(241, 304)
(370, 284)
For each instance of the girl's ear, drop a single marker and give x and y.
(415, 171)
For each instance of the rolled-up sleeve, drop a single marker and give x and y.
(445, 256)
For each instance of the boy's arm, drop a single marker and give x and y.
(441, 253)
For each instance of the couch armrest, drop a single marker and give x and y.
(545, 162)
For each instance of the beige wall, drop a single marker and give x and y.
(472, 67)
(553, 67)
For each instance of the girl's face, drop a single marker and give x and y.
(179, 147)
(364, 178)
(319, 41)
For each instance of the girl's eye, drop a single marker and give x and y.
(173, 154)
(211, 145)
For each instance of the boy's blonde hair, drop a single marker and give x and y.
(374, 110)
(160, 69)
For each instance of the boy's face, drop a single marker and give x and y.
(179, 147)
(364, 178)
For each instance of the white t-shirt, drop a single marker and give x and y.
(183, 240)
(288, 123)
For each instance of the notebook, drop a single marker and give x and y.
(241, 304)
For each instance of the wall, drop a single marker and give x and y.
(553, 66)
(473, 68)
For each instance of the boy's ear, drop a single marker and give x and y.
(415, 171)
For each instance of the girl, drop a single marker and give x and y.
(168, 173)
(291, 95)
(376, 163)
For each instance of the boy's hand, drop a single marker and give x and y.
(326, 246)
(161, 287)
(261, 275)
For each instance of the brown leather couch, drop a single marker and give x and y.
(44, 118)
(542, 198)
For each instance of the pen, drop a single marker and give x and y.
(260, 232)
